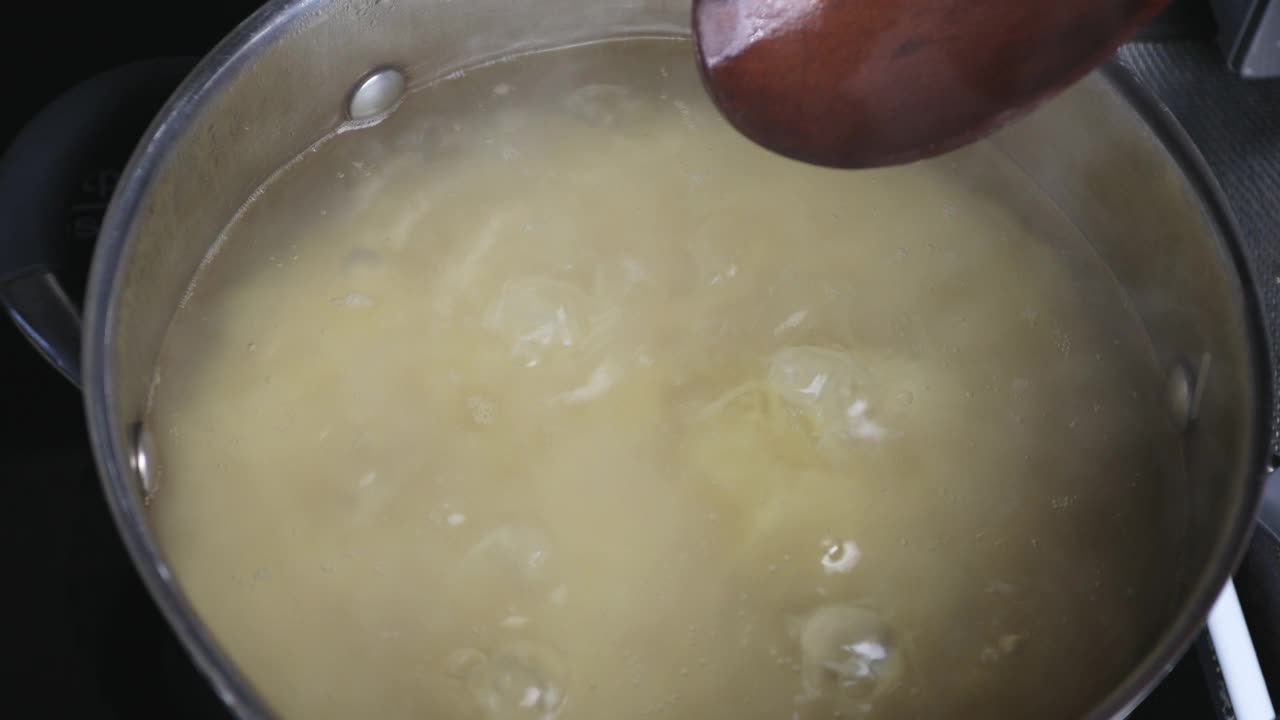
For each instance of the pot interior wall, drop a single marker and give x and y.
(286, 80)
(1109, 172)
(1142, 201)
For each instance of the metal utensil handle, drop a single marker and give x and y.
(1241, 671)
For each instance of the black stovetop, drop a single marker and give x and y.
(81, 636)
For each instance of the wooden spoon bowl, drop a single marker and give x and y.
(866, 83)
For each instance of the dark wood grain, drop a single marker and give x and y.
(865, 83)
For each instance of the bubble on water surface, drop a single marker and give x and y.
(521, 680)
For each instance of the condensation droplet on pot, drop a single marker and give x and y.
(376, 94)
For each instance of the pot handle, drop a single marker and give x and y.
(56, 178)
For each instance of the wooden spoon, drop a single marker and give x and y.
(865, 83)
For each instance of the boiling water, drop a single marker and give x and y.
(550, 396)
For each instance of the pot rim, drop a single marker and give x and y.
(107, 436)
(264, 27)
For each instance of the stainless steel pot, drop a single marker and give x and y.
(1113, 160)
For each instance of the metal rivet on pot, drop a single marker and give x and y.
(140, 461)
(1185, 390)
(377, 93)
